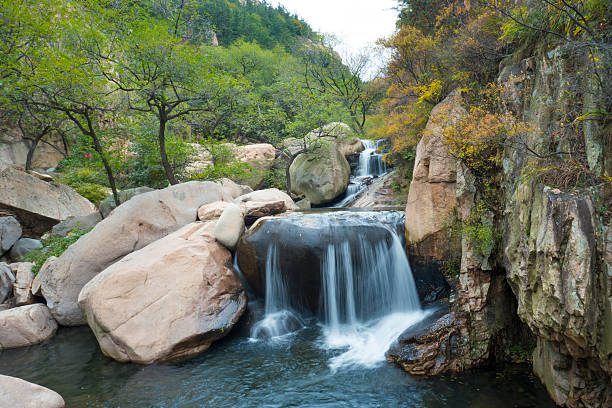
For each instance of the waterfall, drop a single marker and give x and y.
(370, 164)
(279, 319)
(370, 161)
(367, 293)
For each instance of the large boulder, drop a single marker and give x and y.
(133, 225)
(81, 222)
(10, 231)
(266, 196)
(24, 246)
(7, 279)
(17, 393)
(230, 226)
(259, 157)
(169, 300)
(432, 194)
(26, 325)
(36, 204)
(108, 204)
(321, 175)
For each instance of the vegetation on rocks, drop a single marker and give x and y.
(52, 246)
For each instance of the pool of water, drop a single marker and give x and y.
(239, 372)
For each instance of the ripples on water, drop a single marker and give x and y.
(237, 372)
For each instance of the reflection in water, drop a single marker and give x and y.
(239, 373)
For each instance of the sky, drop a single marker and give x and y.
(355, 23)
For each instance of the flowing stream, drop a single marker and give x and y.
(370, 165)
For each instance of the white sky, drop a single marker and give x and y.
(356, 23)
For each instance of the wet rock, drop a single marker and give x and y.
(427, 348)
(17, 393)
(10, 232)
(133, 225)
(7, 279)
(26, 325)
(24, 246)
(108, 204)
(182, 283)
(83, 222)
(230, 226)
(321, 175)
(39, 205)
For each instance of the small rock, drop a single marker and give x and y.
(23, 246)
(17, 393)
(7, 279)
(23, 283)
(26, 325)
(268, 195)
(108, 204)
(36, 283)
(10, 232)
(304, 204)
(82, 222)
(41, 176)
(230, 226)
(256, 210)
(211, 211)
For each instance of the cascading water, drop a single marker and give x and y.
(370, 161)
(367, 295)
(371, 164)
(279, 318)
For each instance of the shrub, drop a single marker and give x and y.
(93, 192)
(52, 246)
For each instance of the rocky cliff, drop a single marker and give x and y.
(548, 276)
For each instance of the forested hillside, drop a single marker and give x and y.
(133, 89)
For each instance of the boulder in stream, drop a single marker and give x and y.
(321, 175)
(169, 300)
(18, 393)
(26, 325)
(133, 225)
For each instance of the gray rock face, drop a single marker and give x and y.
(26, 325)
(23, 246)
(132, 226)
(108, 204)
(190, 297)
(39, 204)
(10, 232)
(230, 226)
(83, 222)
(17, 393)
(321, 176)
(7, 279)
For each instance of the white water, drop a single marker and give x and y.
(369, 298)
(370, 165)
(368, 294)
(279, 319)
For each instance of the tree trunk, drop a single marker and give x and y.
(161, 138)
(30, 156)
(107, 167)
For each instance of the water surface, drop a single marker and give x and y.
(238, 372)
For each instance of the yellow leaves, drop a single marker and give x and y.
(430, 92)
